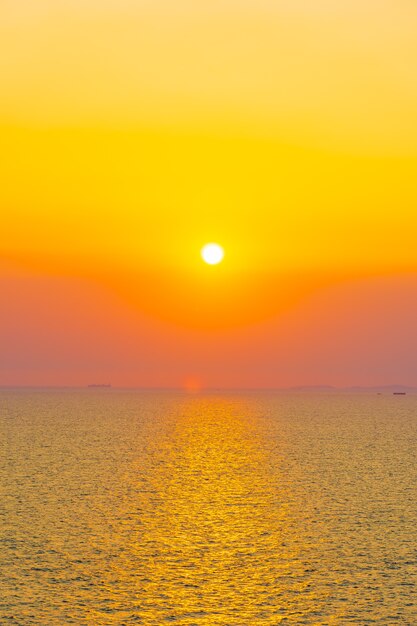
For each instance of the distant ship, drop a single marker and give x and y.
(100, 386)
(398, 393)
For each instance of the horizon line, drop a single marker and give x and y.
(202, 389)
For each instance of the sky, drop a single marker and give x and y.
(134, 132)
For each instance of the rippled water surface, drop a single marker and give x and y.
(146, 508)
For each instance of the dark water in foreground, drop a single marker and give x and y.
(145, 508)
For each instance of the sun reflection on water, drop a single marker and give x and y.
(221, 528)
(207, 510)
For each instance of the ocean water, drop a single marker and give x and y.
(247, 509)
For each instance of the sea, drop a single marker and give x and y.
(229, 509)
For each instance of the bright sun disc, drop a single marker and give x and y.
(212, 253)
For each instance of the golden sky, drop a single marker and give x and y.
(134, 132)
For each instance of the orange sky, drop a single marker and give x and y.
(133, 133)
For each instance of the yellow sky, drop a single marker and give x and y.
(133, 132)
(322, 71)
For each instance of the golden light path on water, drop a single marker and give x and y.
(125, 508)
(221, 532)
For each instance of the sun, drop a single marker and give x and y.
(212, 253)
